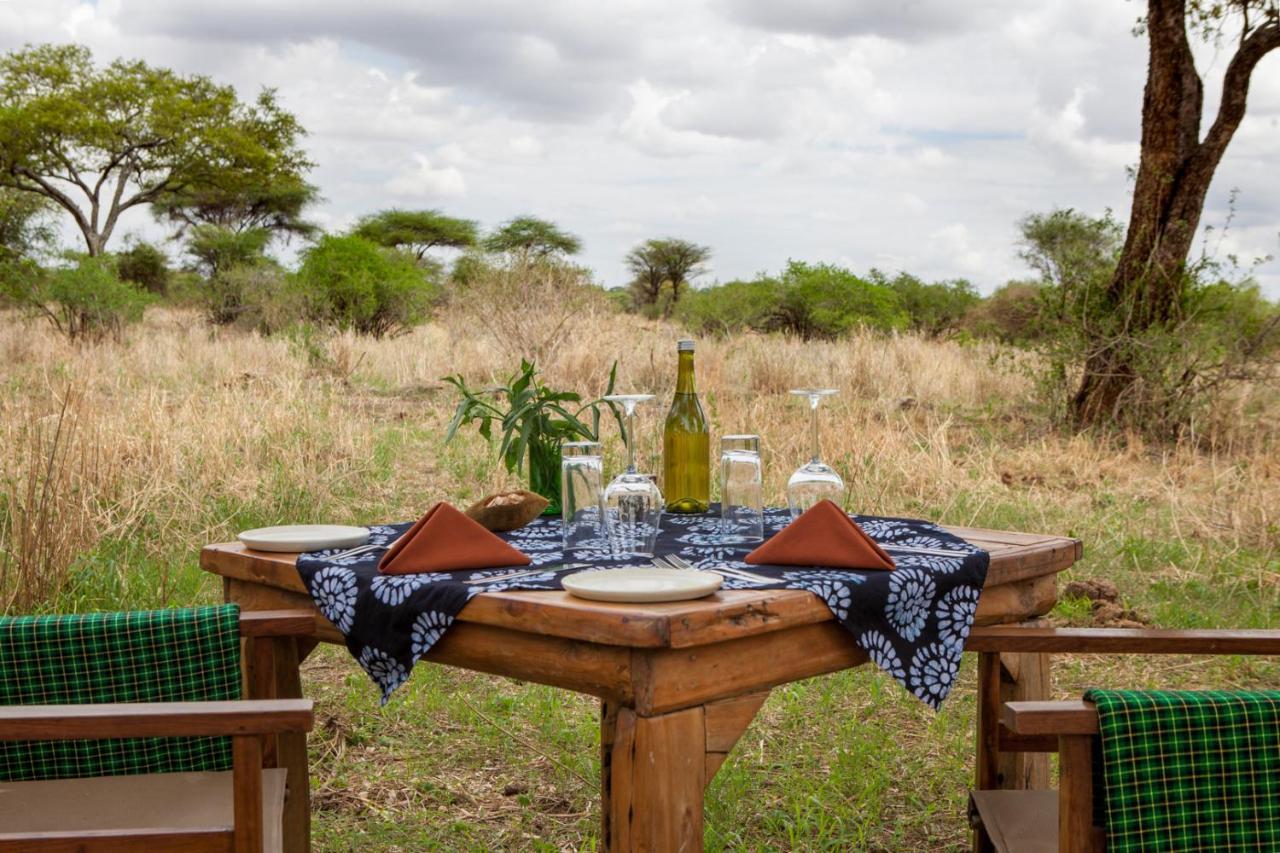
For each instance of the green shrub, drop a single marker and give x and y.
(809, 300)
(89, 301)
(19, 278)
(1011, 314)
(731, 307)
(213, 248)
(351, 283)
(146, 266)
(469, 267)
(933, 309)
(826, 301)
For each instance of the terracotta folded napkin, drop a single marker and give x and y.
(445, 540)
(822, 536)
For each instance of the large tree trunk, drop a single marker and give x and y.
(1174, 174)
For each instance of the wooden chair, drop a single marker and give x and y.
(53, 807)
(1029, 821)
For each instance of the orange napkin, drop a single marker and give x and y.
(822, 536)
(445, 540)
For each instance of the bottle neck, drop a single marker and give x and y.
(684, 374)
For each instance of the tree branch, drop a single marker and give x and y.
(63, 200)
(1235, 89)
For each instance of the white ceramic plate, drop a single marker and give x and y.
(296, 538)
(642, 584)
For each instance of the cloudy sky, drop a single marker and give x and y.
(906, 135)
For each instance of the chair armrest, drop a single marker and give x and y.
(277, 623)
(1143, 641)
(154, 719)
(1069, 717)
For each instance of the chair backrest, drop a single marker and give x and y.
(1190, 769)
(181, 655)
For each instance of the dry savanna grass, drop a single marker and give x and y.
(119, 460)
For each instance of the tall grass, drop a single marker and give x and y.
(182, 435)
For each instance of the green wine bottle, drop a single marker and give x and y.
(686, 444)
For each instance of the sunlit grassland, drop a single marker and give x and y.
(182, 435)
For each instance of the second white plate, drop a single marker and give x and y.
(297, 538)
(642, 584)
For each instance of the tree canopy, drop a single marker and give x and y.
(99, 141)
(528, 237)
(272, 200)
(655, 263)
(416, 231)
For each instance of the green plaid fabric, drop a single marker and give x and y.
(191, 654)
(1190, 770)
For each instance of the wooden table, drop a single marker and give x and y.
(678, 682)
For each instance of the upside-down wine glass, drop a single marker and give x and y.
(632, 499)
(814, 481)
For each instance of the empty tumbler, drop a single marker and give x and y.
(741, 489)
(582, 496)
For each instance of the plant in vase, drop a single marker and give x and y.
(534, 421)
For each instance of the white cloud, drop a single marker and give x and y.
(525, 145)
(1065, 133)
(426, 183)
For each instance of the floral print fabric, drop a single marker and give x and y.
(912, 622)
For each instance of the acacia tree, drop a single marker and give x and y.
(269, 197)
(1148, 288)
(416, 231)
(99, 141)
(529, 238)
(654, 263)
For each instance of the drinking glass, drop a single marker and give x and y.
(741, 489)
(633, 502)
(582, 496)
(814, 481)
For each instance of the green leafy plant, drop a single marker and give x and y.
(534, 420)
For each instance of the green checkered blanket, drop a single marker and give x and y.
(190, 654)
(1186, 770)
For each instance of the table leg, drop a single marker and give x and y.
(1024, 677)
(726, 721)
(653, 773)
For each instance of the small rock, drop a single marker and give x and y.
(1108, 614)
(1094, 589)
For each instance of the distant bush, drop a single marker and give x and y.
(826, 301)
(87, 301)
(529, 306)
(146, 266)
(932, 309)
(351, 283)
(731, 307)
(259, 296)
(1011, 314)
(213, 248)
(809, 300)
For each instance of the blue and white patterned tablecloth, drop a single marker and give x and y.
(912, 621)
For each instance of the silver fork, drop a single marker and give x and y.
(678, 562)
(353, 551)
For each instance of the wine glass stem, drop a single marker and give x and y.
(631, 441)
(813, 429)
